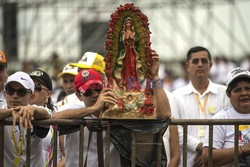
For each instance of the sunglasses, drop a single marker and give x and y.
(196, 61)
(39, 87)
(20, 92)
(89, 92)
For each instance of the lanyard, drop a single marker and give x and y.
(18, 149)
(49, 161)
(202, 107)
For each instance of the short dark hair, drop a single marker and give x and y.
(197, 49)
(234, 83)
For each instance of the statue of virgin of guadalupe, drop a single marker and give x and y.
(128, 63)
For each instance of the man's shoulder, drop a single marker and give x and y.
(181, 90)
(224, 113)
(72, 98)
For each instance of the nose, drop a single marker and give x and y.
(200, 63)
(15, 94)
(95, 93)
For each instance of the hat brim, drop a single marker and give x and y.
(86, 66)
(20, 82)
(45, 84)
(83, 88)
(63, 73)
(238, 77)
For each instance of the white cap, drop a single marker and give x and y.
(68, 69)
(237, 73)
(22, 78)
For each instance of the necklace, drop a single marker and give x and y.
(19, 148)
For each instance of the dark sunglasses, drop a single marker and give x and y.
(90, 91)
(20, 92)
(196, 61)
(39, 87)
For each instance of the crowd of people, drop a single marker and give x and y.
(28, 96)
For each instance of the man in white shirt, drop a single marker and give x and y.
(89, 90)
(200, 99)
(19, 90)
(3, 77)
(238, 90)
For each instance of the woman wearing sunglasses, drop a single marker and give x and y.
(43, 89)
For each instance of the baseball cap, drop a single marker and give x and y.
(91, 60)
(237, 73)
(42, 77)
(22, 78)
(2, 58)
(68, 69)
(87, 77)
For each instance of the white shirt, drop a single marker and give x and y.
(223, 135)
(72, 98)
(166, 135)
(10, 153)
(2, 99)
(72, 147)
(47, 146)
(188, 108)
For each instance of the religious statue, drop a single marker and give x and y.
(128, 61)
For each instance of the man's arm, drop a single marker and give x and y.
(106, 96)
(5, 113)
(27, 113)
(162, 104)
(74, 113)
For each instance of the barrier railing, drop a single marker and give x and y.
(183, 122)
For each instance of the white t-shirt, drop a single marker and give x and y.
(223, 135)
(72, 146)
(10, 153)
(72, 98)
(2, 99)
(188, 107)
(166, 135)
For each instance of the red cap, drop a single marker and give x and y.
(87, 77)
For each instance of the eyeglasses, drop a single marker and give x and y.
(89, 92)
(20, 92)
(196, 61)
(39, 87)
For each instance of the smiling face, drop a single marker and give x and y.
(199, 65)
(240, 97)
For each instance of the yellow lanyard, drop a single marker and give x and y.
(202, 107)
(18, 149)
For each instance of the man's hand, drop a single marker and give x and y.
(107, 96)
(155, 64)
(25, 114)
(198, 158)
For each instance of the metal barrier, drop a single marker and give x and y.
(184, 122)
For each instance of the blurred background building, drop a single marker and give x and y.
(55, 32)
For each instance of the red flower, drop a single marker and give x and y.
(120, 103)
(109, 43)
(148, 110)
(148, 102)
